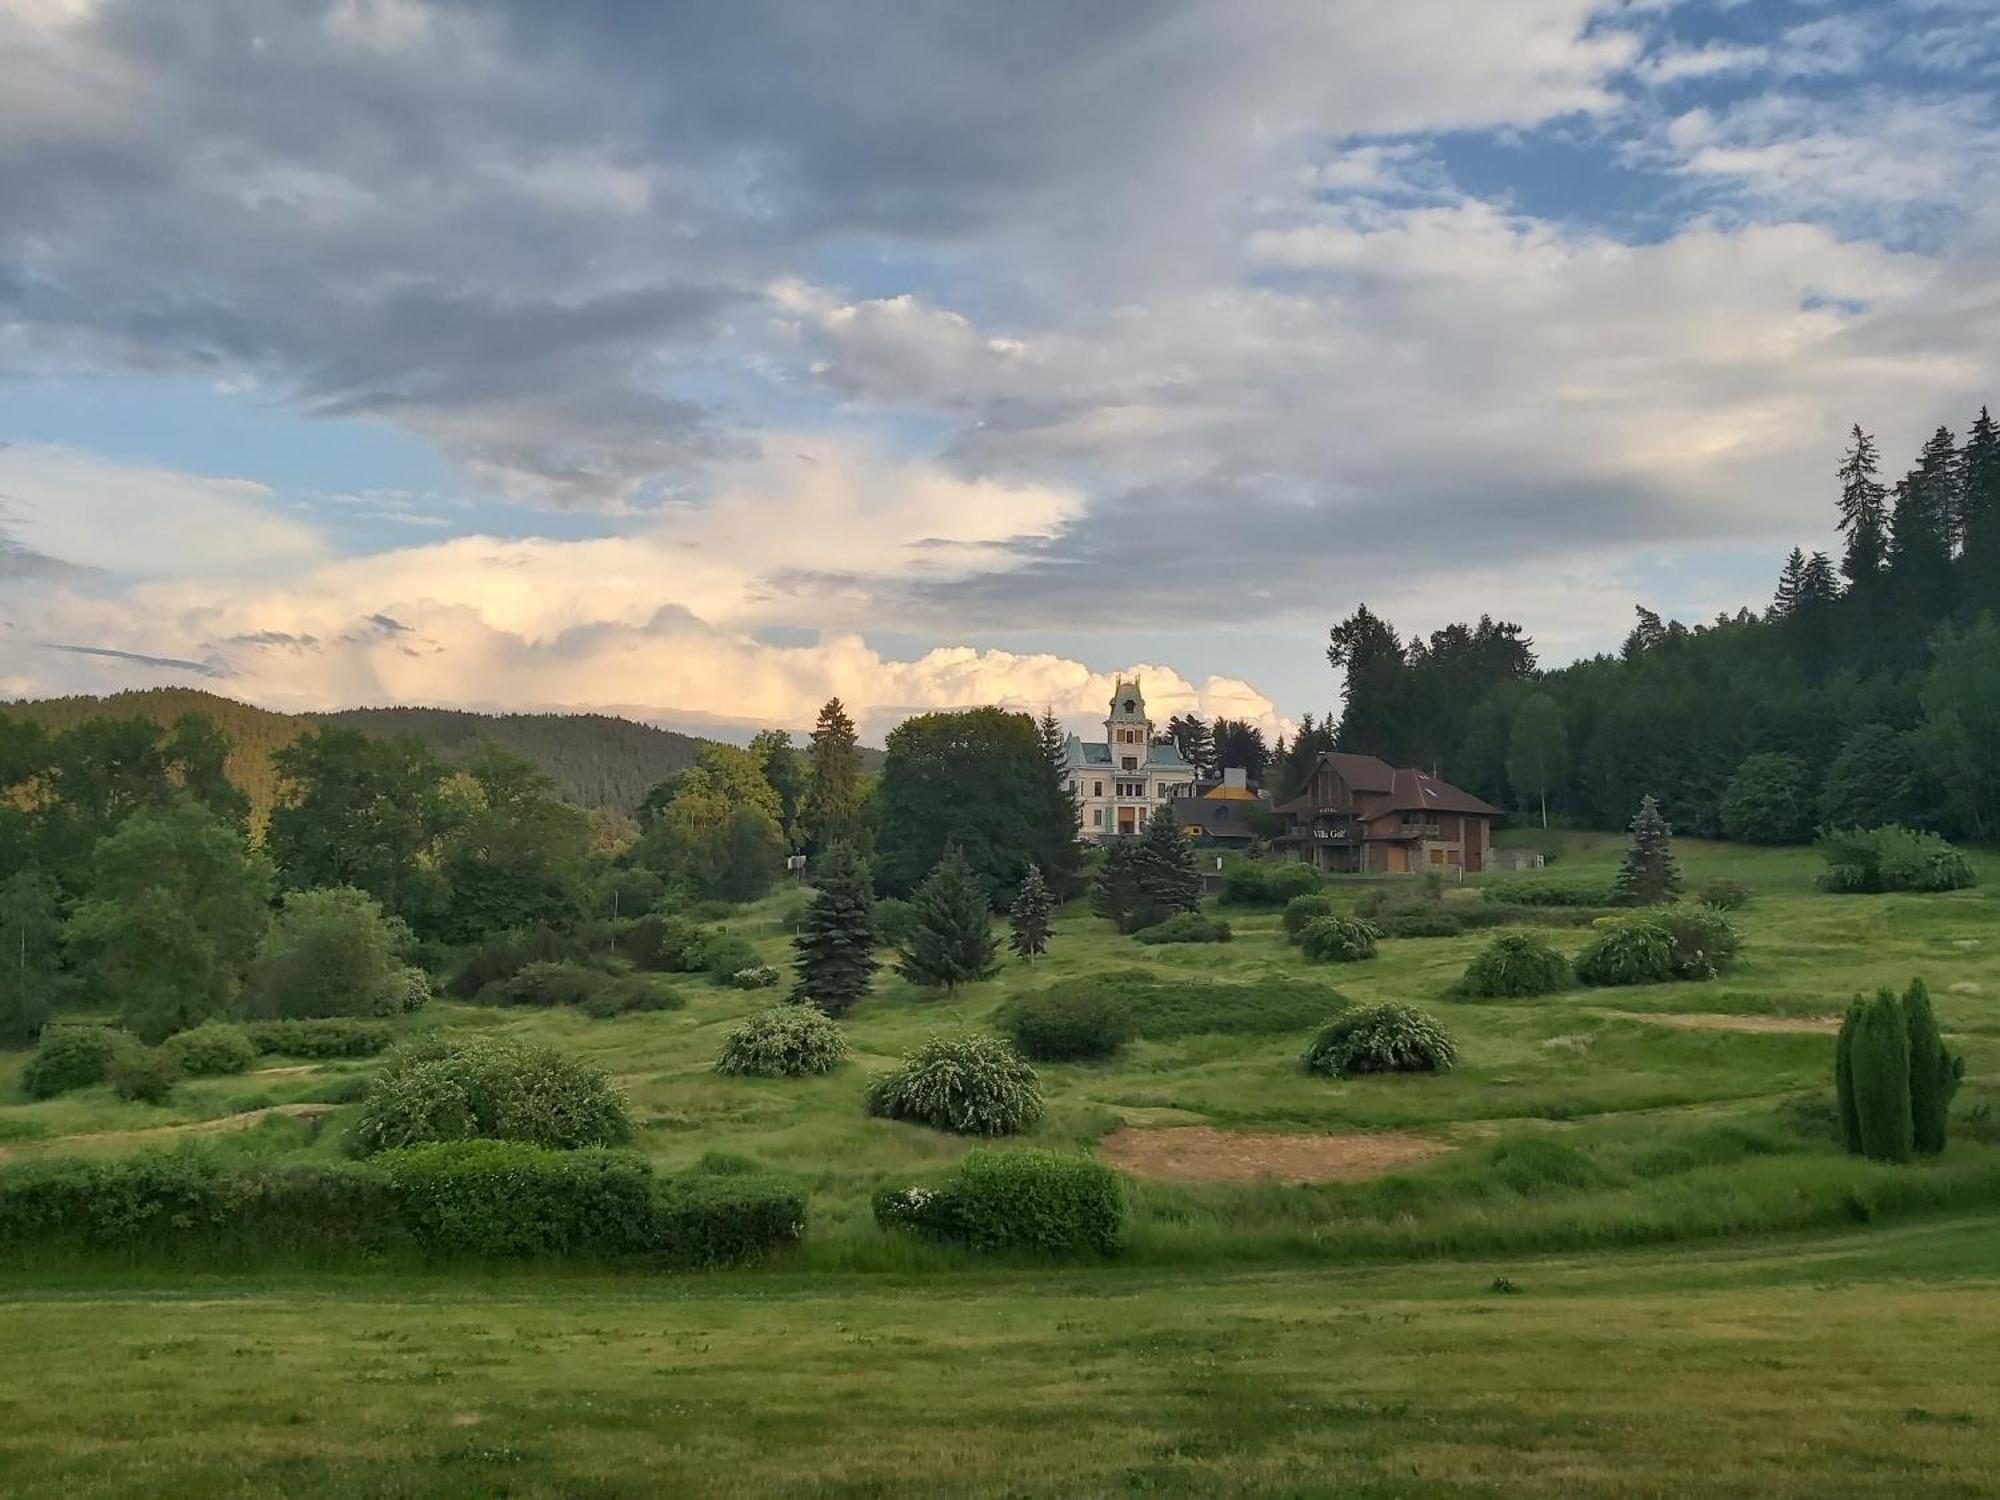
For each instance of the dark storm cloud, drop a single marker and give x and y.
(204, 668)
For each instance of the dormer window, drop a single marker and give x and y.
(1131, 707)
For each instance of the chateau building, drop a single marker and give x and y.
(1360, 814)
(1122, 780)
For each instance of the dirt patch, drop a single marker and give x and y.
(1202, 1153)
(111, 1140)
(287, 1072)
(1712, 1021)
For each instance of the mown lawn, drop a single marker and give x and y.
(1856, 1364)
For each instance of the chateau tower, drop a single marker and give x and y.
(1127, 730)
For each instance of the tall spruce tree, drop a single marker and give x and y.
(1791, 587)
(1880, 1059)
(1934, 1072)
(831, 811)
(1164, 876)
(1921, 526)
(1032, 920)
(951, 940)
(1649, 874)
(1864, 519)
(835, 943)
(1979, 513)
(1059, 851)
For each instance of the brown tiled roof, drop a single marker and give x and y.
(1408, 789)
(1365, 773)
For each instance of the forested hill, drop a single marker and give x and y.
(595, 760)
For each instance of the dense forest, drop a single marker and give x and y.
(1866, 692)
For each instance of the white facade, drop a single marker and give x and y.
(1121, 780)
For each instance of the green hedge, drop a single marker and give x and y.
(1549, 890)
(461, 1200)
(1267, 882)
(1041, 1202)
(332, 1037)
(1185, 927)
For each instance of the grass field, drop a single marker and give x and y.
(1647, 1165)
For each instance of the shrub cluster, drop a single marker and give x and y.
(142, 1075)
(1301, 910)
(546, 983)
(1380, 1039)
(1428, 919)
(1893, 1077)
(212, 1050)
(627, 993)
(1686, 940)
(962, 1082)
(1892, 858)
(1249, 882)
(1185, 927)
(329, 1037)
(895, 922)
(754, 977)
(69, 1057)
(1550, 890)
(471, 1200)
(1076, 1021)
(1724, 895)
(1040, 1202)
(505, 954)
(1339, 940)
(786, 1041)
(1515, 965)
(451, 1088)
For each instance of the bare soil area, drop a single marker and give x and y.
(1202, 1153)
(1714, 1021)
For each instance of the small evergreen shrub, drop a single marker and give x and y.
(1185, 927)
(1724, 895)
(69, 1057)
(1380, 1039)
(1301, 910)
(451, 1088)
(628, 994)
(754, 977)
(1891, 858)
(1339, 940)
(1267, 882)
(1515, 965)
(544, 985)
(1058, 1204)
(211, 1051)
(1893, 1077)
(962, 1082)
(333, 1036)
(1636, 950)
(142, 1075)
(1072, 1022)
(786, 1041)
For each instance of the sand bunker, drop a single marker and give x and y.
(1202, 1153)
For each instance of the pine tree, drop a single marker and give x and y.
(1880, 1059)
(1843, 1077)
(835, 942)
(1863, 519)
(1921, 528)
(1979, 512)
(1649, 874)
(1196, 741)
(1791, 587)
(1059, 850)
(952, 941)
(832, 809)
(1164, 875)
(1934, 1072)
(1115, 892)
(1032, 918)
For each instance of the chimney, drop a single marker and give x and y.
(1235, 779)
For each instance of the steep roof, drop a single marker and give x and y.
(1407, 789)
(1081, 754)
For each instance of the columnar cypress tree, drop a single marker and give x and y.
(1934, 1072)
(835, 943)
(952, 941)
(1881, 1064)
(1163, 871)
(1649, 874)
(1032, 916)
(1843, 1077)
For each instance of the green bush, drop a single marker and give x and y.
(142, 1075)
(212, 1050)
(1550, 890)
(1724, 895)
(504, 954)
(1705, 942)
(1301, 910)
(786, 1041)
(1185, 927)
(725, 955)
(1338, 940)
(962, 1082)
(1058, 1204)
(1076, 1021)
(1891, 858)
(69, 1057)
(1267, 882)
(1162, 1007)
(477, 1200)
(627, 993)
(546, 984)
(683, 947)
(895, 922)
(1428, 919)
(1769, 800)
(755, 977)
(332, 952)
(451, 1088)
(1380, 1039)
(333, 1036)
(1514, 965)
(1637, 950)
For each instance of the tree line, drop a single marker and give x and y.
(1867, 692)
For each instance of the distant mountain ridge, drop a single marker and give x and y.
(595, 760)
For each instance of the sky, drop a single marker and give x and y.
(699, 361)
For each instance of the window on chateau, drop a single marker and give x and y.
(1097, 789)
(1097, 816)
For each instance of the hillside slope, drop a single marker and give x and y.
(595, 760)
